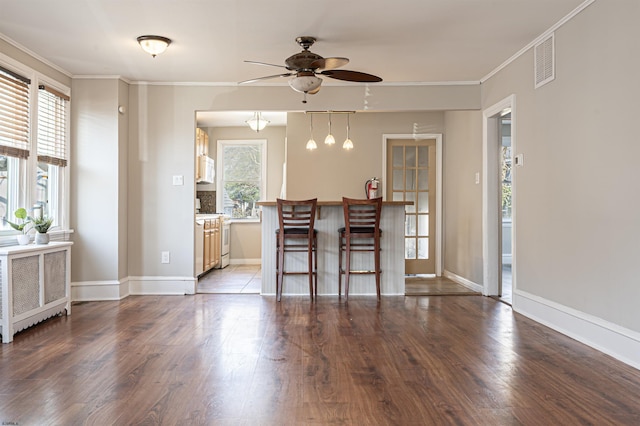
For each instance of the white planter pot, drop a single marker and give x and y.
(23, 239)
(42, 238)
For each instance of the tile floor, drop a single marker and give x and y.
(234, 279)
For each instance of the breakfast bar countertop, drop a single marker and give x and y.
(339, 203)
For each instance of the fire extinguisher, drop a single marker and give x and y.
(371, 188)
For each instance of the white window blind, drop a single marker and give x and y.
(52, 126)
(14, 114)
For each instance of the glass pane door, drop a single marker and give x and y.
(412, 170)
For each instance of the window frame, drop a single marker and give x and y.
(24, 192)
(220, 145)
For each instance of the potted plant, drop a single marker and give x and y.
(41, 226)
(21, 226)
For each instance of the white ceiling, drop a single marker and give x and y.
(401, 41)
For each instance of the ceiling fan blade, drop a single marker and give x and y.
(266, 64)
(346, 75)
(329, 63)
(289, 74)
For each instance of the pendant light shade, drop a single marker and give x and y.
(257, 123)
(154, 45)
(329, 140)
(311, 144)
(348, 144)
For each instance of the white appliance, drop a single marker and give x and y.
(207, 168)
(225, 237)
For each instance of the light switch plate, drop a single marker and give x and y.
(178, 180)
(518, 160)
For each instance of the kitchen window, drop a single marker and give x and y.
(242, 171)
(33, 145)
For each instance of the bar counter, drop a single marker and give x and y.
(330, 217)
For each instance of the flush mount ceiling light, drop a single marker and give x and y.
(257, 123)
(153, 44)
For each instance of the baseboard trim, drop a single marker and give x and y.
(609, 338)
(463, 281)
(90, 291)
(169, 286)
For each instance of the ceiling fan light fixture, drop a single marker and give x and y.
(305, 83)
(257, 123)
(153, 44)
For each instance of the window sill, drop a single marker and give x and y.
(56, 235)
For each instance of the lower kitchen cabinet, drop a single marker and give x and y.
(211, 243)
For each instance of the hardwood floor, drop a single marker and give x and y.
(216, 359)
(435, 286)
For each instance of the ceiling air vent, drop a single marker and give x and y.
(544, 59)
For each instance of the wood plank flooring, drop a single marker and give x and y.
(435, 286)
(214, 359)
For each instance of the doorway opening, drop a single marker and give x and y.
(498, 201)
(506, 209)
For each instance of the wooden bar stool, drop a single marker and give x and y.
(361, 233)
(296, 234)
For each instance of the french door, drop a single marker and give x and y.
(411, 171)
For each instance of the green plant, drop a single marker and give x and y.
(21, 226)
(41, 224)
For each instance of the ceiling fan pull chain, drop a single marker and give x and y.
(304, 100)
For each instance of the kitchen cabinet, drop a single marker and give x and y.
(211, 257)
(202, 151)
(202, 143)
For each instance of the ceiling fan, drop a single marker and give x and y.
(306, 66)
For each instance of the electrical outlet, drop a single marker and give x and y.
(165, 257)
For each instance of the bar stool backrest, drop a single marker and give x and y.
(296, 216)
(362, 216)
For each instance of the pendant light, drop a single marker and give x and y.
(311, 144)
(329, 140)
(257, 123)
(347, 145)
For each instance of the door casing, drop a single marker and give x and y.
(491, 252)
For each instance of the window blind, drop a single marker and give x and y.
(14, 114)
(52, 126)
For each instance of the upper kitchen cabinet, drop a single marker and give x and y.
(205, 166)
(202, 143)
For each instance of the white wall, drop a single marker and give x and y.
(577, 230)
(329, 172)
(462, 196)
(95, 173)
(162, 134)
